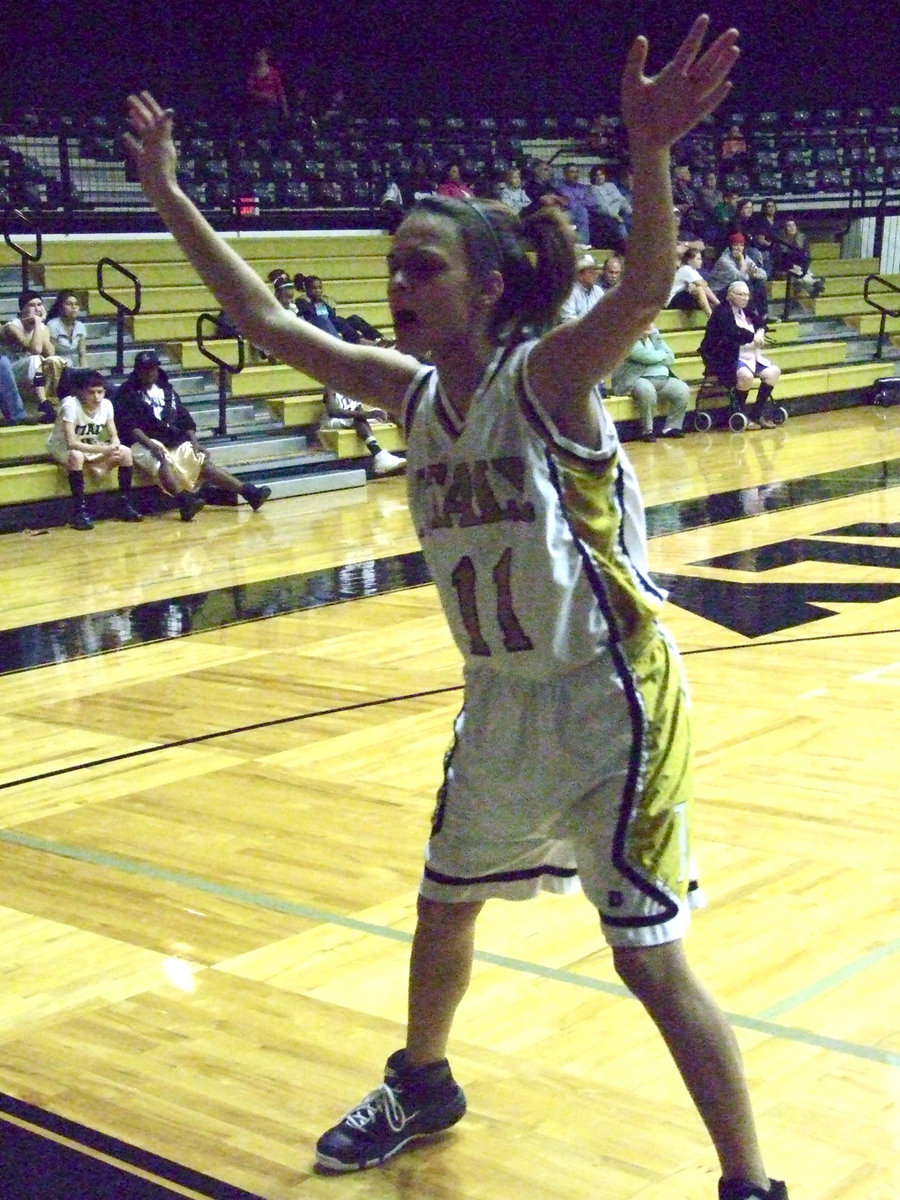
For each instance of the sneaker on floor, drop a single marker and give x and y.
(648, 436)
(256, 496)
(190, 506)
(128, 512)
(82, 519)
(385, 463)
(675, 433)
(739, 1189)
(408, 1105)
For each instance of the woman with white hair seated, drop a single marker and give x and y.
(732, 351)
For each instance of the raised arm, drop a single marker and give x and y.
(365, 373)
(657, 111)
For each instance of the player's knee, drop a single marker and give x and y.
(649, 972)
(75, 460)
(125, 457)
(437, 916)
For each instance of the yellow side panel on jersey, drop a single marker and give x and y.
(655, 840)
(595, 514)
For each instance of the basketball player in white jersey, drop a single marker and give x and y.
(84, 438)
(571, 753)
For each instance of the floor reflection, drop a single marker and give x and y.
(752, 609)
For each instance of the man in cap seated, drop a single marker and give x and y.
(585, 292)
(152, 420)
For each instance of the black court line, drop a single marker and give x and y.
(47, 1157)
(196, 740)
(32, 646)
(274, 722)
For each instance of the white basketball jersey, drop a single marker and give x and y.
(537, 545)
(90, 428)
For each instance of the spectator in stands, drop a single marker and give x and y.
(709, 198)
(646, 375)
(68, 334)
(401, 193)
(763, 231)
(163, 439)
(539, 185)
(733, 148)
(314, 306)
(687, 205)
(26, 342)
(340, 411)
(10, 400)
(732, 351)
(283, 287)
(791, 255)
(609, 211)
(511, 192)
(84, 438)
(626, 185)
(689, 288)
(611, 272)
(266, 97)
(724, 213)
(601, 137)
(577, 199)
(586, 291)
(452, 184)
(746, 220)
(343, 413)
(734, 265)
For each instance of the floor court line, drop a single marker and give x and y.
(273, 722)
(759, 1024)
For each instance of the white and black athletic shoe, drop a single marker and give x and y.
(410, 1104)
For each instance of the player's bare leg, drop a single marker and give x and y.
(704, 1048)
(419, 1096)
(439, 972)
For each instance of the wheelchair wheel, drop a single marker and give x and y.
(737, 422)
(779, 415)
(702, 421)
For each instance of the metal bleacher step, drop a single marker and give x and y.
(267, 450)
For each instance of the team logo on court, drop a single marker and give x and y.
(759, 608)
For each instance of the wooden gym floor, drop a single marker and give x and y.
(221, 744)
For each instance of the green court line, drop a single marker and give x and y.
(762, 1024)
(850, 971)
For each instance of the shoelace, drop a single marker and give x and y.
(383, 1099)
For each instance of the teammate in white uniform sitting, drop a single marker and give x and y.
(84, 438)
(571, 753)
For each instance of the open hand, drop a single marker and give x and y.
(150, 145)
(660, 109)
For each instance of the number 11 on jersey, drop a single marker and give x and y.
(465, 581)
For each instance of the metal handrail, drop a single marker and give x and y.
(885, 312)
(25, 256)
(225, 368)
(122, 310)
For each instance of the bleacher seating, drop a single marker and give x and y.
(345, 167)
(796, 157)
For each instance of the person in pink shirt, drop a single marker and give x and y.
(452, 185)
(265, 90)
